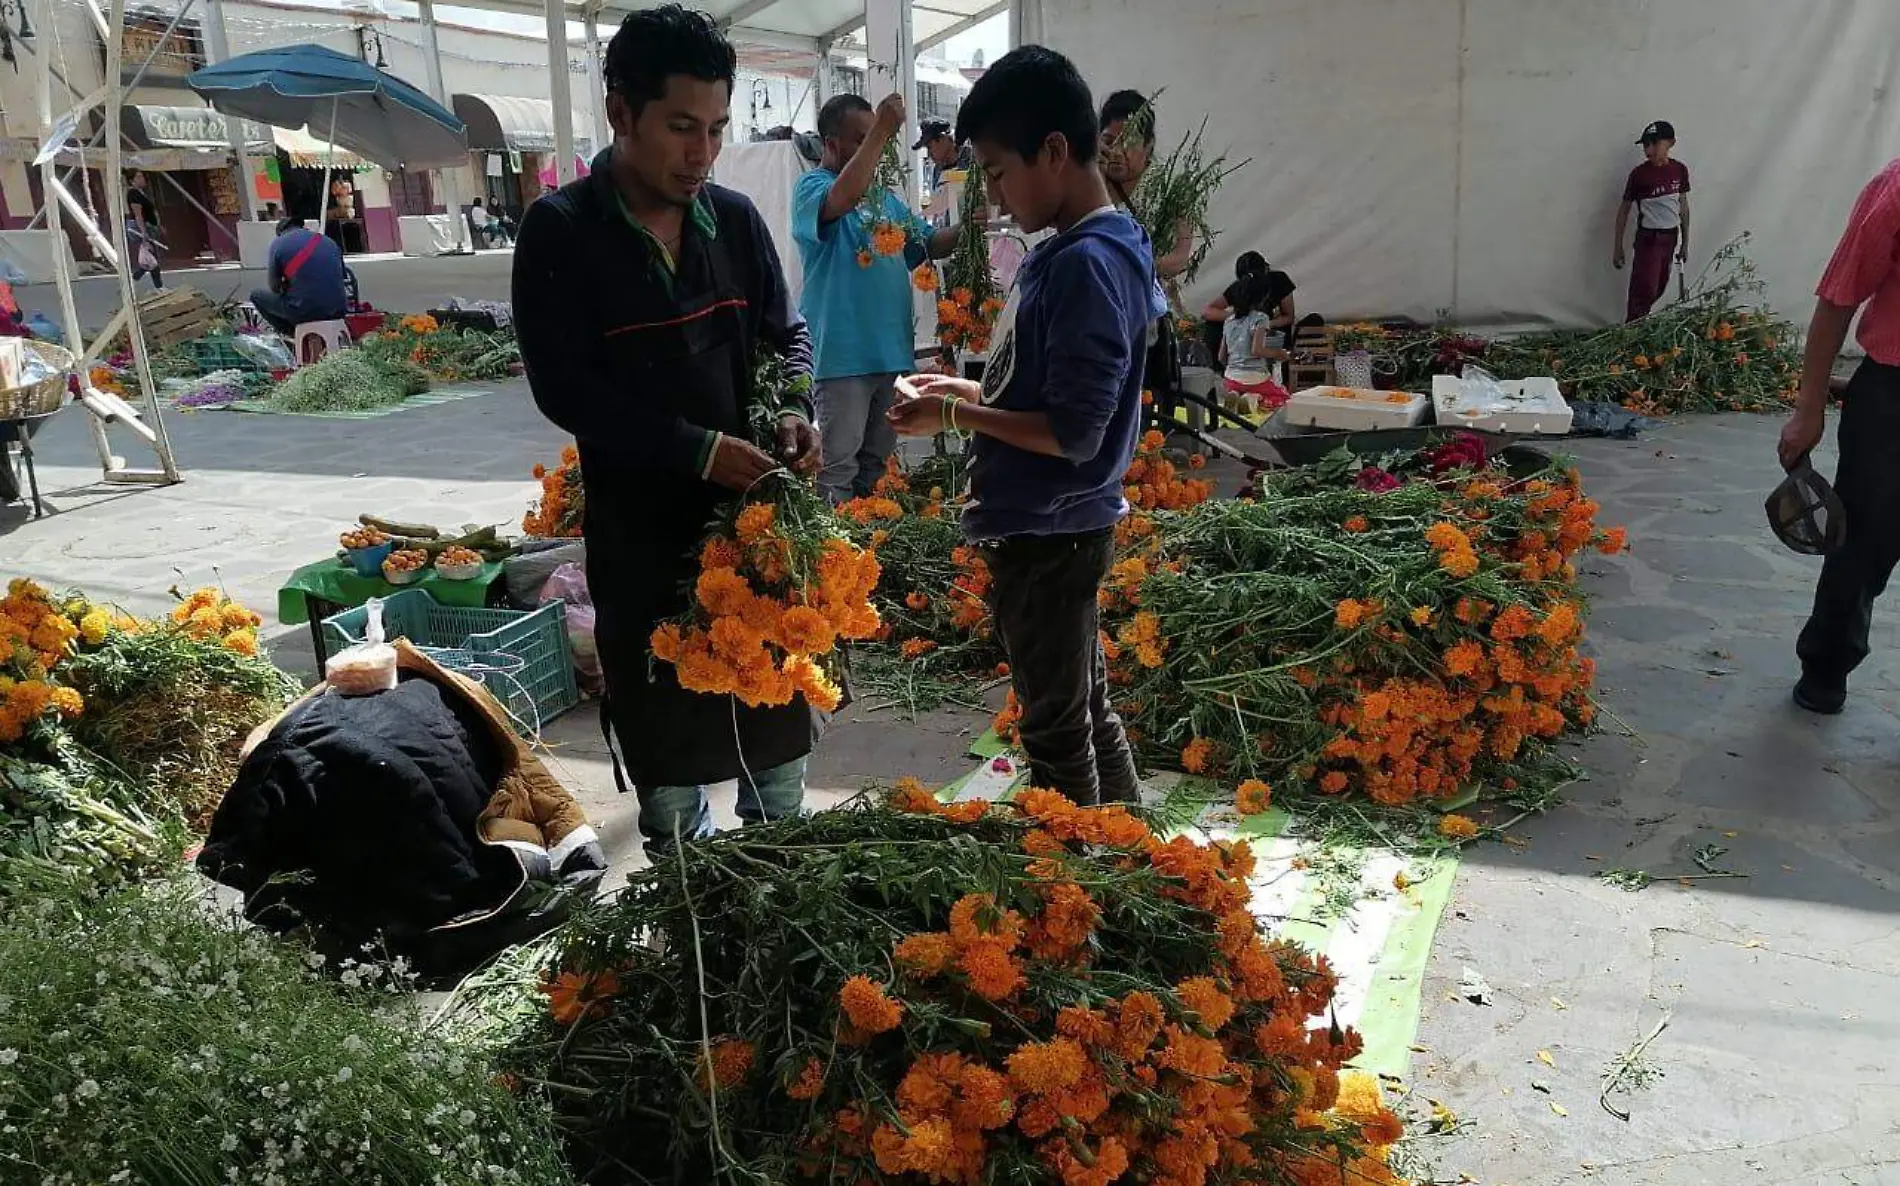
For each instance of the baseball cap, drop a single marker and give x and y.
(1805, 513)
(1662, 129)
(929, 130)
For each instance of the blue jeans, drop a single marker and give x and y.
(668, 812)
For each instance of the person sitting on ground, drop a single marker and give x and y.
(1248, 348)
(1278, 303)
(306, 279)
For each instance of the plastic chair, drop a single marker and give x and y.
(314, 339)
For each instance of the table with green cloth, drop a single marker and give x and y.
(316, 591)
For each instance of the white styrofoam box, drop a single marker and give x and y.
(1354, 409)
(1529, 406)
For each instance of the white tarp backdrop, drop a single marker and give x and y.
(1417, 156)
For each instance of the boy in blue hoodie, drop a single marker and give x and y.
(1056, 416)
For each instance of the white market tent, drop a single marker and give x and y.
(1413, 156)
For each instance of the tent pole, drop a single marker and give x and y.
(891, 65)
(596, 87)
(560, 90)
(62, 247)
(115, 202)
(329, 162)
(220, 46)
(439, 91)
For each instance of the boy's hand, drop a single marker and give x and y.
(1617, 260)
(917, 415)
(946, 385)
(1682, 254)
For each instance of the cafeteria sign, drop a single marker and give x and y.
(192, 127)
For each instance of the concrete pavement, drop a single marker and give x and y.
(1780, 1065)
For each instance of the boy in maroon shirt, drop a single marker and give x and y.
(1658, 189)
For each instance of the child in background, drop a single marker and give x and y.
(1246, 350)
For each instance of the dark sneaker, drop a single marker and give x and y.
(1818, 697)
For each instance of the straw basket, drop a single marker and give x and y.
(43, 396)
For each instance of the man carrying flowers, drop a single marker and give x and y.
(641, 294)
(859, 241)
(1056, 417)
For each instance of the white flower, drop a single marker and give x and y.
(343, 1074)
(87, 1089)
(8, 1057)
(229, 1144)
(465, 1118)
(354, 1044)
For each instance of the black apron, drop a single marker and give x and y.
(644, 529)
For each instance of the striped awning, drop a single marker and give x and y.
(306, 151)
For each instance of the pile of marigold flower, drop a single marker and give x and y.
(562, 507)
(1053, 995)
(1719, 350)
(113, 728)
(779, 587)
(1403, 630)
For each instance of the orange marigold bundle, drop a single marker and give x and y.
(779, 587)
(562, 506)
(1057, 995)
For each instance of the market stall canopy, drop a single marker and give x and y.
(311, 152)
(376, 115)
(752, 22)
(188, 127)
(511, 123)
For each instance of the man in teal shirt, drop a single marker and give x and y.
(857, 301)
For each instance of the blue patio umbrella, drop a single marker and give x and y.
(373, 114)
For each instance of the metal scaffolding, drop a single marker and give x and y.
(146, 422)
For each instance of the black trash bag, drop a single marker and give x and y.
(1596, 418)
(1805, 513)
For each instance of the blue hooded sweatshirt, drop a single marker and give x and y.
(1071, 344)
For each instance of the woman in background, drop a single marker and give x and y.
(1277, 302)
(141, 229)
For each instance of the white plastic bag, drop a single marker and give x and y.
(568, 583)
(369, 666)
(1480, 389)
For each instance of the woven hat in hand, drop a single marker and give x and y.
(1805, 513)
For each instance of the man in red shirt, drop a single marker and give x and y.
(1658, 190)
(1865, 271)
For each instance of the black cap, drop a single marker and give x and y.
(1805, 513)
(1662, 129)
(929, 130)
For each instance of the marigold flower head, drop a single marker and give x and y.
(1253, 797)
(1356, 524)
(1457, 827)
(1197, 755)
(929, 953)
(804, 631)
(1204, 998)
(1459, 563)
(1045, 1068)
(994, 974)
(810, 1082)
(867, 1007)
(730, 1060)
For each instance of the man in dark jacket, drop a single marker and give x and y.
(1056, 417)
(640, 294)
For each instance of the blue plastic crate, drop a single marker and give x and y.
(541, 690)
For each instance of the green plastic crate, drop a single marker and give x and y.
(217, 353)
(544, 687)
